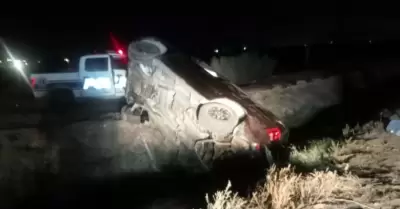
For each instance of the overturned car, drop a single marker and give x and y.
(184, 99)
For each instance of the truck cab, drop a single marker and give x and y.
(99, 76)
(103, 75)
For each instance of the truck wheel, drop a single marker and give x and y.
(61, 100)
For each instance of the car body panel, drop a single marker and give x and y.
(212, 88)
(173, 87)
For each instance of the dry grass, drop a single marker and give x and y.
(287, 189)
(327, 179)
(366, 131)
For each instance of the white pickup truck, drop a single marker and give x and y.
(100, 76)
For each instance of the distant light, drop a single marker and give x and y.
(305, 45)
(38, 61)
(120, 52)
(18, 65)
(244, 48)
(216, 51)
(1, 61)
(370, 41)
(331, 42)
(65, 59)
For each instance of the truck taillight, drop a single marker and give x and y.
(33, 82)
(274, 134)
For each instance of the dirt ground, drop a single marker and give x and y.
(31, 161)
(360, 172)
(88, 154)
(52, 161)
(376, 161)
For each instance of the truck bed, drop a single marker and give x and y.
(57, 76)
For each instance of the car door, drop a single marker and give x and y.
(97, 76)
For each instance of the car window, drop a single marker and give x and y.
(96, 64)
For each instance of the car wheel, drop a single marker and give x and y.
(218, 126)
(146, 49)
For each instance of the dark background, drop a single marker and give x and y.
(281, 35)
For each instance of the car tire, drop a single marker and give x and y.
(146, 49)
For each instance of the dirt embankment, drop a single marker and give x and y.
(298, 102)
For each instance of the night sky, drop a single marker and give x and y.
(43, 35)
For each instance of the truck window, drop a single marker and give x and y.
(119, 63)
(96, 64)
